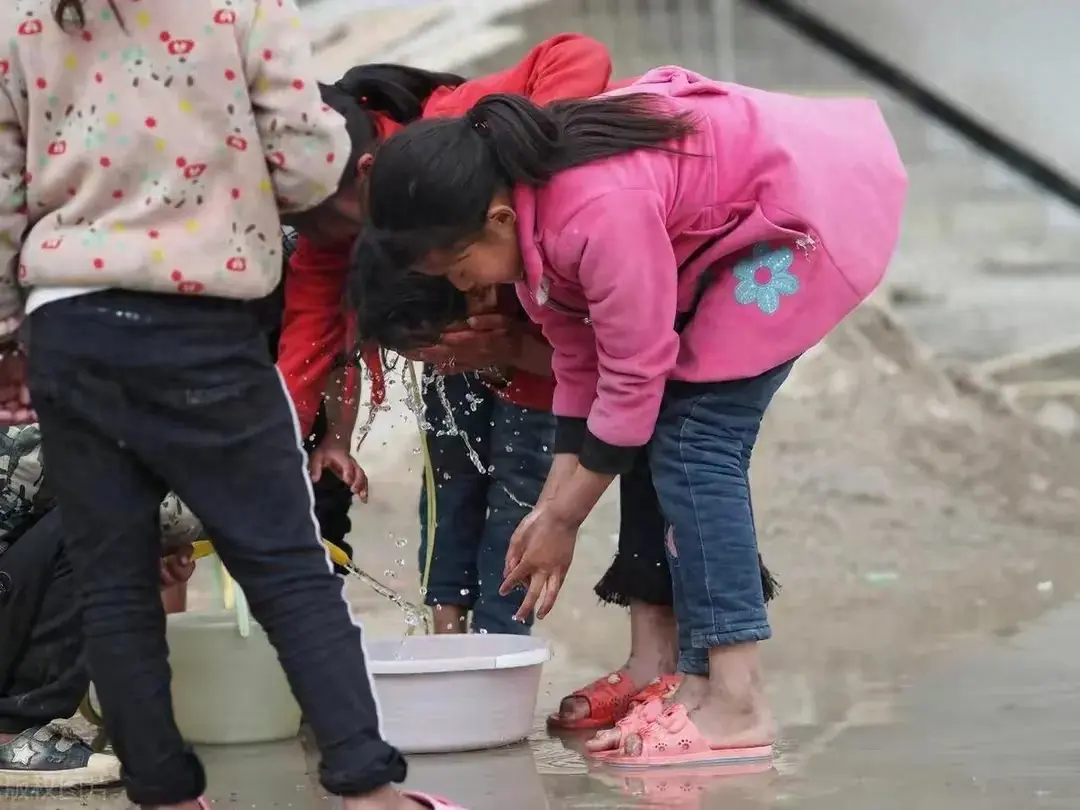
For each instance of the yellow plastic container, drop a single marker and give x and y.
(227, 689)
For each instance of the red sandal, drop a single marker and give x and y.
(609, 700)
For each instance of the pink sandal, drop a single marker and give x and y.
(674, 740)
(645, 708)
(434, 802)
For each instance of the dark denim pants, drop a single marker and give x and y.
(700, 460)
(138, 394)
(477, 512)
(43, 675)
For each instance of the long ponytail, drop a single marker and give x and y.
(67, 12)
(432, 183)
(531, 144)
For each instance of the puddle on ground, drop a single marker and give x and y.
(991, 727)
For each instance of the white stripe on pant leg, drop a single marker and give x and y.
(329, 562)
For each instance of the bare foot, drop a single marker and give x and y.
(691, 692)
(611, 739)
(725, 724)
(653, 652)
(734, 724)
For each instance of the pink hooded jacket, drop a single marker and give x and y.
(795, 204)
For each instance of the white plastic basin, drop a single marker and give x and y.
(457, 692)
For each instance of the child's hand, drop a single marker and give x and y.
(178, 567)
(539, 556)
(335, 456)
(491, 340)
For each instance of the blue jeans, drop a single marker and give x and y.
(477, 512)
(700, 461)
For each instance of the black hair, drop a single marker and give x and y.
(67, 11)
(432, 183)
(397, 308)
(397, 91)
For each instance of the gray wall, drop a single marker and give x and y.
(1014, 62)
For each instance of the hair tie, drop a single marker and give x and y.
(476, 120)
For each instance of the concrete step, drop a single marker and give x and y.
(983, 318)
(1000, 216)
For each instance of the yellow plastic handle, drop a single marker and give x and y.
(204, 548)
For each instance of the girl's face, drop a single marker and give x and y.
(492, 258)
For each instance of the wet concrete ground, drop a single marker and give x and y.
(993, 726)
(925, 647)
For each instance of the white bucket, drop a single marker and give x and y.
(457, 692)
(227, 689)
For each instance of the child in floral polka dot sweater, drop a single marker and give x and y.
(146, 150)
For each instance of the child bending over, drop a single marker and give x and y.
(681, 242)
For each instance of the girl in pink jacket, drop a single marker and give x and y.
(681, 242)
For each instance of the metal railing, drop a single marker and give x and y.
(803, 22)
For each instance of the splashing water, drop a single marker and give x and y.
(416, 405)
(415, 617)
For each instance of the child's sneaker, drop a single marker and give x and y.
(50, 758)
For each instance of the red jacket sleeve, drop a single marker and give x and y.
(313, 333)
(564, 66)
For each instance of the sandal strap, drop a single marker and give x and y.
(657, 688)
(612, 693)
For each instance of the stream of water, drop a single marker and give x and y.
(417, 617)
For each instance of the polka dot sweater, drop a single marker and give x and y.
(154, 151)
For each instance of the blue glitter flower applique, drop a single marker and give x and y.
(764, 276)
